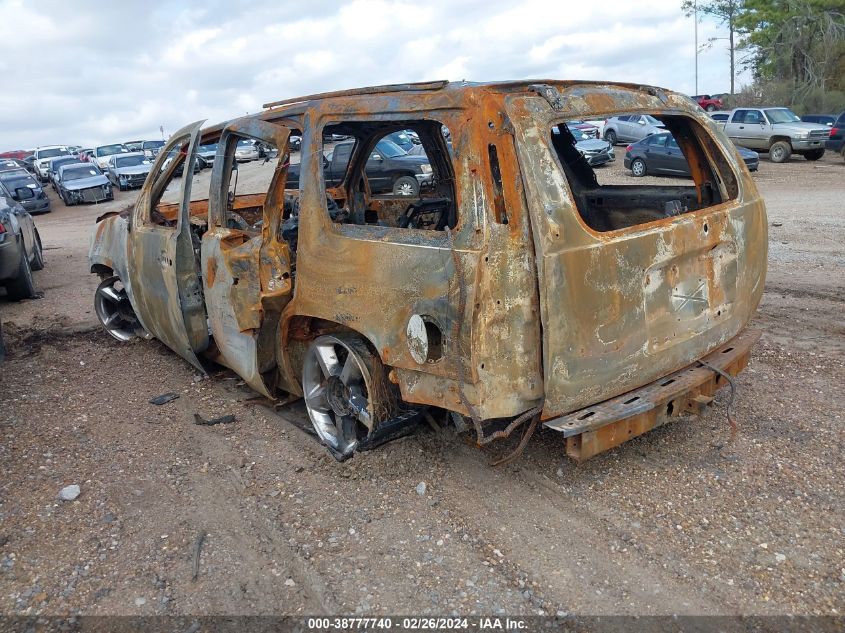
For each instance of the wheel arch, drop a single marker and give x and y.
(776, 139)
(295, 335)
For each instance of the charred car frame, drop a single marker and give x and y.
(516, 290)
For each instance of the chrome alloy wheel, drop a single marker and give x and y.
(336, 383)
(113, 308)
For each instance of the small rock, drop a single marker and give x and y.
(780, 557)
(290, 582)
(776, 224)
(69, 493)
(559, 472)
(421, 488)
(140, 602)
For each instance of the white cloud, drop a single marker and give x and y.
(112, 71)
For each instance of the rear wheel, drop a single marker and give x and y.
(780, 151)
(610, 137)
(638, 167)
(710, 108)
(345, 389)
(38, 254)
(814, 154)
(22, 286)
(114, 310)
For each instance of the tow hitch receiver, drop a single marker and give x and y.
(603, 426)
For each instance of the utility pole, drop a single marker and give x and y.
(695, 19)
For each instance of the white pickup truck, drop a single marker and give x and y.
(778, 131)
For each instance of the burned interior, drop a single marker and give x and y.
(612, 206)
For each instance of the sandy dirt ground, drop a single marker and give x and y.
(676, 521)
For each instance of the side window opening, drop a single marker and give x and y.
(166, 193)
(670, 145)
(390, 174)
(249, 170)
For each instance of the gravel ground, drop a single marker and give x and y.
(676, 521)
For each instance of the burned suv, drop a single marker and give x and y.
(522, 287)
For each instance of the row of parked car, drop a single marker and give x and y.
(80, 174)
(777, 131)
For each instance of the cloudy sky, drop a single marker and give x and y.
(103, 71)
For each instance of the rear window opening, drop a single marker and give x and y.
(693, 173)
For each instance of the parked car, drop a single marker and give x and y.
(518, 290)
(589, 129)
(134, 146)
(246, 150)
(14, 179)
(631, 127)
(390, 169)
(594, 150)
(42, 158)
(56, 163)
(708, 102)
(151, 148)
(720, 116)
(295, 142)
(778, 131)
(20, 245)
(659, 154)
(127, 171)
(821, 119)
(102, 153)
(836, 139)
(83, 183)
(206, 154)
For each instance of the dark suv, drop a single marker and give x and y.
(20, 245)
(837, 136)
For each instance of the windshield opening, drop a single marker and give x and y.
(52, 153)
(79, 173)
(782, 115)
(130, 161)
(389, 149)
(108, 150)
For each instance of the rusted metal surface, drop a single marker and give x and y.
(604, 426)
(529, 305)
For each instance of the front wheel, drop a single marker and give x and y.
(346, 391)
(638, 167)
(710, 108)
(610, 137)
(406, 186)
(114, 310)
(780, 152)
(814, 154)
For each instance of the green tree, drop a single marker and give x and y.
(800, 42)
(726, 12)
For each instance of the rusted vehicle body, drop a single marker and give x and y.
(517, 289)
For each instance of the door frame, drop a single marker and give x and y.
(246, 276)
(166, 290)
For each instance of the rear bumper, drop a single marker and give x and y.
(592, 430)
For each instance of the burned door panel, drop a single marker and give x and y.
(166, 290)
(246, 272)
